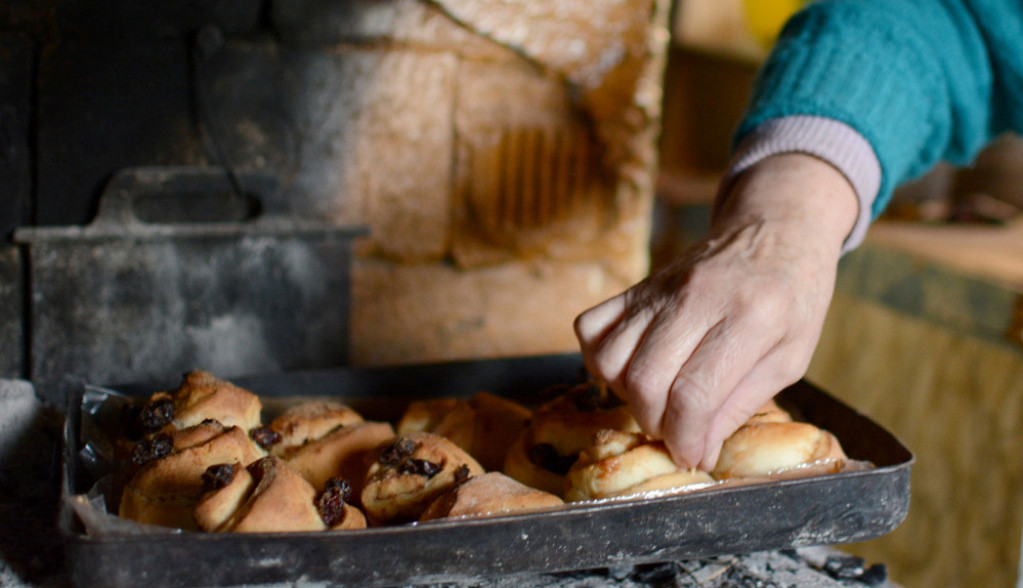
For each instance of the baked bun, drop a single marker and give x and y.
(537, 466)
(498, 423)
(423, 416)
(770, 412)
(410, 472)
(303, 423)
(489, 494)
(168, 484)
(334, 507)
(484, 425)
(619, 464)
(559, 430)
(265, 496)
(201, 396)
(451, 418)
(776, 448)
(345, 452)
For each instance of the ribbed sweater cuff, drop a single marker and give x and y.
(830, 140)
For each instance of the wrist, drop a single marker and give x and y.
(799, 194)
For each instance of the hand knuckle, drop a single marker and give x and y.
(691, 395)
(636, 381)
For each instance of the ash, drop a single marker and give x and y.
(815, 567)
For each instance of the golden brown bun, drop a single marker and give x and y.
(451, 418)
(409, 473)
(309, 421)
(218, 504)
(497, 424)
(569, 422)
(489, 494)
(352, 520)
(519, 465)
(619, 464)
(768, 449)
(484, 425)
(345, 453)
(164, 490)
(770, 412)
(198, 434)
(559, 430)
(266, 496)
(423, 416)
(201, 396)
(676, 481)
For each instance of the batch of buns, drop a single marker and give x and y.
(200, 458)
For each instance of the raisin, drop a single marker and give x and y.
(331, 502)
(462, 474)
(419, 467)
(258, 469)
(149, 450)
(398, 451)
(428, 468)
(217, 476)
(340, 485)
(265, 437)
(157, 415)
(548, 458)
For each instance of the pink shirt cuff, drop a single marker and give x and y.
(830, 140)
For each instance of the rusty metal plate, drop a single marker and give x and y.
(136, 296)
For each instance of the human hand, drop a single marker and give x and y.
(698, 347)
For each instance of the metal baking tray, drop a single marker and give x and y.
(822, 510)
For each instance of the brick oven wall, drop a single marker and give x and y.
(501, 155)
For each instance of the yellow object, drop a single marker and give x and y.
(766, 18)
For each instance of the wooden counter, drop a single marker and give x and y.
(988, 252)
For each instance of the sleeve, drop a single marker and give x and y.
(830, 140)
(914, 79)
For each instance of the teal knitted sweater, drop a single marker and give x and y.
(920, 80)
